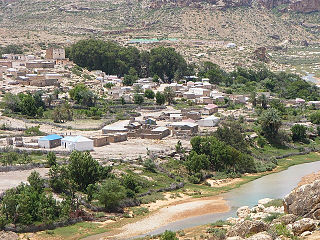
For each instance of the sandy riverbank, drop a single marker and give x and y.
(174, 211)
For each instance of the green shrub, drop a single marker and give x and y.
(274, 203)
(219, 223)
(169, 235)
(218, 233)
(272, 216)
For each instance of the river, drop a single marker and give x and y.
(275, 185)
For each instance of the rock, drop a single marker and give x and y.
(234, 238)
(273, 209)
(260, 236)
(259, 215)
(264, 201)
(246, 227)
(304, 201)
(261, 54)
(259, 208)
(8, 235)
(286, 219)
(234, 220)
(305, 224)
(243, 212)
(306, 233)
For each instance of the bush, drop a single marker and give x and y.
(111, 193)
(218, 233)
(51, 159)
(272, 216)
(150, 165)
(149, 94)
(220, 223)
(261, 141)
(168, 235)
(315, 117)
(298, 132)
(274, 203)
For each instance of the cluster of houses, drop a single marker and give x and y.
(33, 70)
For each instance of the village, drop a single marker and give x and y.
(51, 70)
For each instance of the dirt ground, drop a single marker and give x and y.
(14, 178)
(176, 210)
(309, 178)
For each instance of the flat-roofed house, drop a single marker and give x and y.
(210, 109)
(50, 141)
(78, 143)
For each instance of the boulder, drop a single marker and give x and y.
(8, 235)
(273, 209)
(260, 236)
(304, 201)
(246, 227)
(234, 238)
(259, 215)
(243, 212)
(285, 219)
(305, 224)
(306, 233)
(258, 208)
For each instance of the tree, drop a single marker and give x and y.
(82, 95)
(28, 105)
(130, 78)
(148, 93)
(138, 99)
(315, 117)
(231, 133)
(160, 98)
(36, 181)
(155, 78)
(84, 170)
(253, 99)
(51, 159)
(196, 162)
(111, 193)
(277, 104)
(169, 94)
(165, 62)
(12, 102)
(262, 99)
(298, 132)
(220, 156)
(270, 123)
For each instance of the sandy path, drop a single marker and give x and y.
(173, 212)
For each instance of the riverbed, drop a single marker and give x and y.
(275, 185)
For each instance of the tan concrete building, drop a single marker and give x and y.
(55, 53)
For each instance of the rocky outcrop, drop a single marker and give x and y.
(286, 219)
(305, 6)
(260, 236)
(246, 228)
(303, 225)
(8, 235)
(304, 201)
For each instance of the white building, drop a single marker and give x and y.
(78, 143)
(210, 121)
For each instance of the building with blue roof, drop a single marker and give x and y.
(50, 141)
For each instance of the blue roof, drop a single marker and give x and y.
(51, 137)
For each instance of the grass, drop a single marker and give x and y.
(274, 203)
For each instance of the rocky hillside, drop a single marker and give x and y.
(242, 21)
(305, 6)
